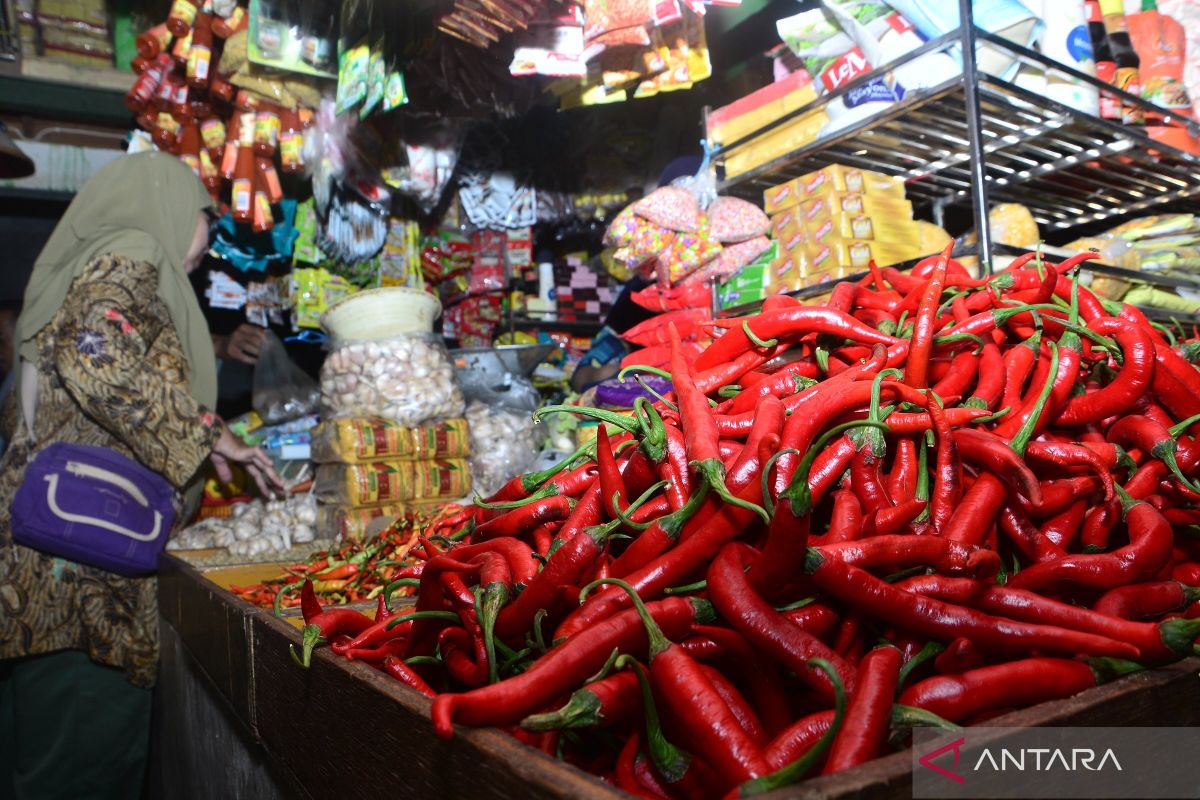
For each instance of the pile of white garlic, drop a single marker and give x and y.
(254, 528)
(408, 379)
(503, 444)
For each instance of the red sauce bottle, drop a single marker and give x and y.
(142, 93)
(242, 198)
(291, 141)
(181, 17)
(199, 62)
(270, 178)
(154, 41)
(224, 28)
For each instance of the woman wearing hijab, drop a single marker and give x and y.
(115, 353)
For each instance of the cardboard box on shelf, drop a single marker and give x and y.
(789, 272)
(782, 140)
(781, 197)
(839, 226)
(841, 178)
(757, 109)
(781, 219)
(818, 209)
(855, 254)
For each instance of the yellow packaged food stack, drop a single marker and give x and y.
(351, 522)
(818, 209)
(788, 272)
(841, 178)
(780, 141)
(856, 254)
(359, 440)
(791, 238)
(839, 226)
(389, 482)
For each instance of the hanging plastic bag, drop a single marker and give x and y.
(282, 391)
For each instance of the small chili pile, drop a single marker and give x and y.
(986, 498)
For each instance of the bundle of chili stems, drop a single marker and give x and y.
(953, 497)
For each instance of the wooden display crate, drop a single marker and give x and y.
(211, 621)
(343, 727)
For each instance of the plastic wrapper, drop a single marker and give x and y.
(282, 391)
(616, 393)
(407, 379)
(504, 443)
(361, 441)
(390, 482)
(349, 522)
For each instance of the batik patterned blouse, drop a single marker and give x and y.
(111, 373)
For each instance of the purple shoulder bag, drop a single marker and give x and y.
(94, 506)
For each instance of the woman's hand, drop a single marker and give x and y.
(253, 459)
(243, 345)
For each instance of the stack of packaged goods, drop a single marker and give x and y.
(581, 292)
(392, 429)
(72, 31)
(833, 222)
(370, 468)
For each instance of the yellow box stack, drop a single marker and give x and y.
(830, 223)
(370, 468)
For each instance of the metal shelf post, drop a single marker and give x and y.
(975, 144)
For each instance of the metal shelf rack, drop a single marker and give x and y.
(975, 138)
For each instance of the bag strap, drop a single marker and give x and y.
(108, 476)
(55, 509)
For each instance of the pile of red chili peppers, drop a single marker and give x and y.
(931, 500)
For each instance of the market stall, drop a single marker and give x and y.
(880, 419)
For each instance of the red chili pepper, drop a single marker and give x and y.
(376, 634)
(817, 618)
(1149, 436)
(609, 701)
(989, 452)
(990, 383)
(799, 738)
(699, 542)
(959, 656)
(862, 737)
(612, 483)
(845, 523)
(565, 568)
(1030, 542)
(1149, 549)
(563, 668)
(1103, 458)
(340, 572)
(947, 486)
(676, 469)
(741, 709)
(690, 697)
(1015, 683)
(520, 521)
(902, 482)
(656, 539)
(892, 520)
(1167, 640)
(1062, 529)
(1058, 495)
(700, 430)
(1120, 394)
(406, 675)
(1145, 600)
(790, 323)
(916, 371)
(585, 514)
(1018, 362)
(323, 624)
(763, 686)
(960, 376)
(902, 423)
(934, 618)
(767, 629)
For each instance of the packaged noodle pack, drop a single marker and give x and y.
(361, 440)
(389, 482)
(350, 522)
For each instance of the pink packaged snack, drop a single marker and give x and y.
(736, 220)
(670, 207)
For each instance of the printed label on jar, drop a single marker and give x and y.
(242, 196)
(212, 130)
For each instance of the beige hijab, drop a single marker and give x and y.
(143, 207)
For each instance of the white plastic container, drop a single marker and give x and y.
(1066, 40)
(381, 314)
